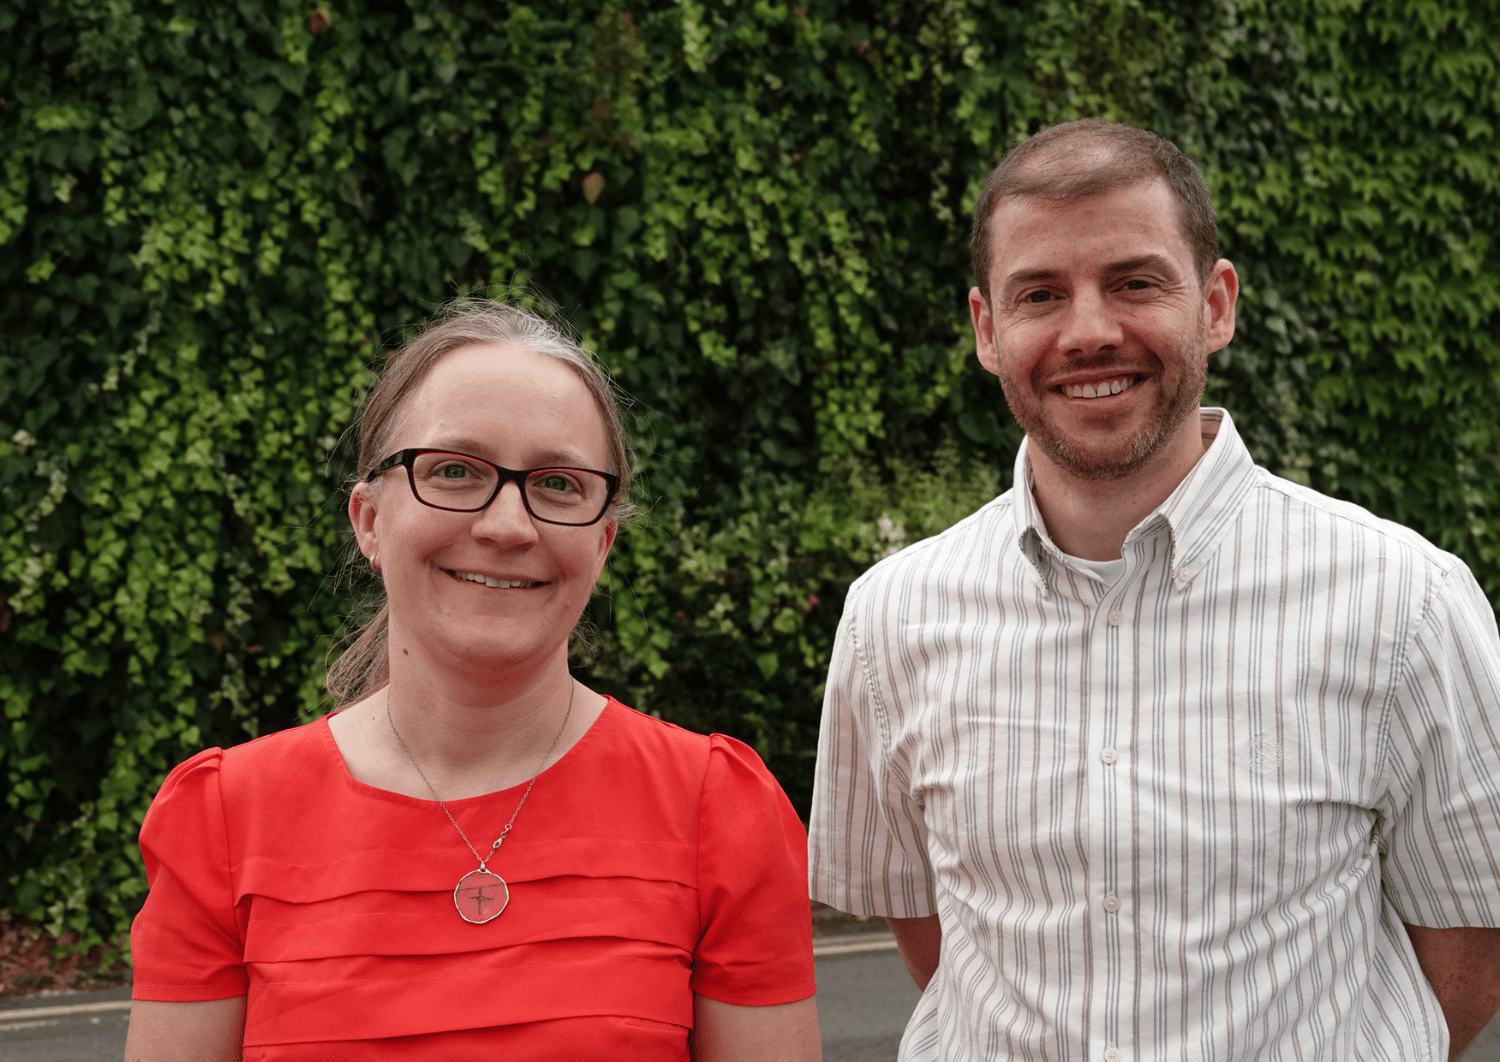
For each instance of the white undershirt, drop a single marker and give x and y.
(1108, 572)
(1105, 572)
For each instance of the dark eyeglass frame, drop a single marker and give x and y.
(408, 457)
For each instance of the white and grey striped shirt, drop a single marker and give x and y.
(1182, 816)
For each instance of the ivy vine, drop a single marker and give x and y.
(216, 217)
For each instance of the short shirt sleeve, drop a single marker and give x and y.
(756, 947)
(1440, 828)
(868, 839)
(185, 943)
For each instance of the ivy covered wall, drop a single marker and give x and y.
(216, 216)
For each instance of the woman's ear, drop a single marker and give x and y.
(363, 507)
(611, 530)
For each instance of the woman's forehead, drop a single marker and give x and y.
(508, 397)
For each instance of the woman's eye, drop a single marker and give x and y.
(453, 471)
(558, 483)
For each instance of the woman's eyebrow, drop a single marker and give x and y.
(542, 458)
(560, 459)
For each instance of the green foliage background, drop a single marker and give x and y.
(214, 220)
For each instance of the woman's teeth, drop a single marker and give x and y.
(1099, 390)
(499, 584)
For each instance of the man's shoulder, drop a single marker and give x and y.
(1377, 533)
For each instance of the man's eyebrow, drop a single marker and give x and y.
(1029, 276)
(1159, 262)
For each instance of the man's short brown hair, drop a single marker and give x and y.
(1082, 159)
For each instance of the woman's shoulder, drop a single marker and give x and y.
(639, 727)
(669, 748)
(649, 732)
(284, 750)
(290, 748)
(291, 758)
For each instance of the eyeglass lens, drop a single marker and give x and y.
(457, 481)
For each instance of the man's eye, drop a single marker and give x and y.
(1136, 285)
(1038, 296)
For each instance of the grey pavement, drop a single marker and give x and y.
(66, 1027)
(864, 999)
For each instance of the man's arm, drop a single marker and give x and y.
(919, 940)
(1463, 967)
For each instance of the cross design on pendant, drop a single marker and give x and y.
(480, 899)
(480, 896)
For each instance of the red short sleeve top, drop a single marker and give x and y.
(649, 863)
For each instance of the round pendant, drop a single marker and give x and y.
(480, 896)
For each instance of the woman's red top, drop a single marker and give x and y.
(649, 863)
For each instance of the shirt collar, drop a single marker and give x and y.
(1194, 513)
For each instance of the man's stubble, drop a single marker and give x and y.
(1025, 399)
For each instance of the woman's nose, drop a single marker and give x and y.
(505, 520)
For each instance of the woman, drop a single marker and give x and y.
(477, 856)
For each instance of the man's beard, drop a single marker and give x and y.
(1134, 453)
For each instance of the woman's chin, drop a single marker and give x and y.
(494, 657)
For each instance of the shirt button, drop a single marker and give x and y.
(1109, 755)
(1111, 903)
(1116, 617)
(1112, 1054)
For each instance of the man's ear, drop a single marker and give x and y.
(363, 506)
(1219, 295)
(984, 331)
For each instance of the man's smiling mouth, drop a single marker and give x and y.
(1102, 389)
(491, 581)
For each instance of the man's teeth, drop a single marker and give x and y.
(499, 584)
(1107, 387)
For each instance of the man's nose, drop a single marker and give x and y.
(1089, 325)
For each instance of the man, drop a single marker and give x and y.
(1157, 756)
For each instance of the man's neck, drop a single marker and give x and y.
(1090, 518)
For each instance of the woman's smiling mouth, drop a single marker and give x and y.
(491, 581)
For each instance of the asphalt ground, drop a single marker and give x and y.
(864, 999)
(67, 1027)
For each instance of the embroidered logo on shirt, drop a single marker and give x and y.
(1263, 754)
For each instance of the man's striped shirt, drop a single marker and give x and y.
(1182, 816)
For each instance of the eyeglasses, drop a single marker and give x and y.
(463, 483)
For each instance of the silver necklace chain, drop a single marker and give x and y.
(572, 688)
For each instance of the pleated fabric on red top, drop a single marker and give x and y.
(649, 863)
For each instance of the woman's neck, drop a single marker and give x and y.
(465, 741)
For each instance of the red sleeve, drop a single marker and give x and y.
(185, 944)
(756, 947)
